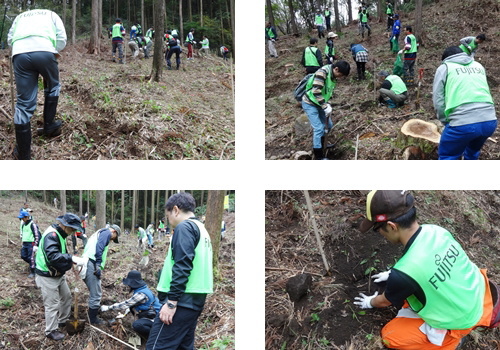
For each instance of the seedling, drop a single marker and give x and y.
(314, 318)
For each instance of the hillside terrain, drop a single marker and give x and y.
(112, 111)
(355, 113)
(21, 306)
(325, 316)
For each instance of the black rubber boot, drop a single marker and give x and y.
(23, 141)
(93, 317)
(318, 153)
(51, 127)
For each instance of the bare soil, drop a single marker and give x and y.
(112, 111)
(355, 112)
(21, 306)
(325, 317)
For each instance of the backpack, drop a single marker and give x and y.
(300, 90)
(172, 42)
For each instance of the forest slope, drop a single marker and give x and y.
(355, 112)
(112, 111)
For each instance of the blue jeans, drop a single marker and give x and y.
(465, 140)
(317, 118)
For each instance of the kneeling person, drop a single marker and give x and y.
(393, 91)
(143, 302)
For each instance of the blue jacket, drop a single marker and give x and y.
(357, 48)
(152, 299)
(396, 28)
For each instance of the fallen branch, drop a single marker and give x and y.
(294, 271)
(357, 144)
(316, 232)
(5, 113)
(227, 143)
(109, 335)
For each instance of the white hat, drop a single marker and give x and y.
(332, 35)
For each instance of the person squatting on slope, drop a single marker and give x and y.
(36, 38)
(319, 90)
(440, 293)
(393, 91)
(143, 303)
(312, 58)
(463, 103)
(52, 262)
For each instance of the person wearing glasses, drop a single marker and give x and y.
(440, 293)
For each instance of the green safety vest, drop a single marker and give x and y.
(310, 57)
(149, 33)
(413, 47)
(91, 246)
(201, 276)
(187, 39)
(41, 261)
(35, 23)
(270, 33)
(27, 232)
(147, 40)
(318, 20)
(364, 17)
(161, 225)
(471, 78)
(398, 85)
(327, 90)
(453, 285)
(327, 13)
(327, 51)
(473, 46)
(389, 10)
(205, 44)
(117, 31)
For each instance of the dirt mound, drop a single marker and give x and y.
(112, 111)
(356, 115)
(325, 318)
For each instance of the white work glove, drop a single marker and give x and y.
(364, 301)
(381, 277)
(35, 248)
(84, 235)
(328, 109)
(78, 261)
(104, 308)
(400, 52)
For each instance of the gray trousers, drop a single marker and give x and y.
(94, 285)
(395, 98)
(56, 300)
(27, 67)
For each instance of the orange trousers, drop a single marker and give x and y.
(404, 333)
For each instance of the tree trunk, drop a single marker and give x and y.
(153, 209)
(99, 30)
(292, 17)
(269, 12)
(133, 210)
(142, 16)
(112, 215)
(88, 202)
(232, 28)
(201, 13)
(94, 29)
(157, 207)
(145, 208)
(80, 203)
(338, 27)
(100, 209)
(379, 10)
(158, 62)
(418, 20)
(349, 11)
(181, 25)
(215, 209)
(63, 201)
(202, 198)
(190, 12)
(44, 194)
(73, 22)
(65, 6)
(122, 216)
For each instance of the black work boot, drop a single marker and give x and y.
(51, 127)
(23, 141)
(318, 153)
(93, 317)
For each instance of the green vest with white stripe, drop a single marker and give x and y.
(453, 285)
(201, 276)
(328, 87)
(90, 248)
(41, 258)
(35, 23)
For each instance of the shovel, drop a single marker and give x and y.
(74, 325)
